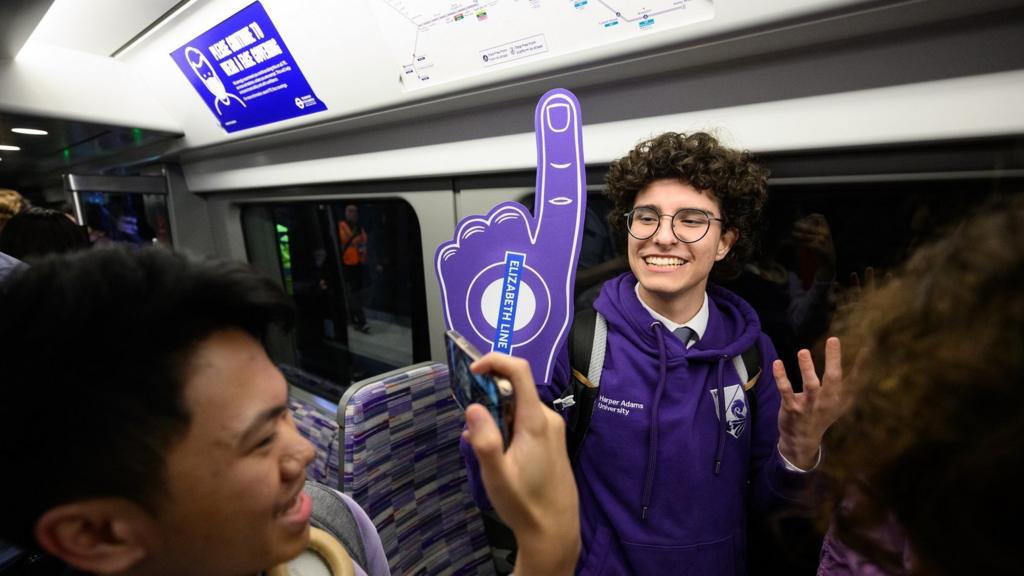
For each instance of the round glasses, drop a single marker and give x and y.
(688, 224)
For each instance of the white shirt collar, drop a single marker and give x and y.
(699, 322)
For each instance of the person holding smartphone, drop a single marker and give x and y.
(530, 484)
(182, 457)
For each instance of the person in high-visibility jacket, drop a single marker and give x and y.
(353, 241)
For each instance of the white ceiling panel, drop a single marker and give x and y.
(98, 27)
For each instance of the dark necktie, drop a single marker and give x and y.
(685, 334)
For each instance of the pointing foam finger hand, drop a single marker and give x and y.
(561, 180)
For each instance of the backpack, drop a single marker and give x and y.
(587, 342)
(331, 514)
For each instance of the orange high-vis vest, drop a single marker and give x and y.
(353, 248)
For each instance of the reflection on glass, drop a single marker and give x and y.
(820, 248)
(131, 218)
(355, 271)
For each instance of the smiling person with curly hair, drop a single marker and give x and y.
(687, 439)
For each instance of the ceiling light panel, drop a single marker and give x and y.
(30, 131)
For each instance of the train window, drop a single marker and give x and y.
(355, 271)
(126, 217)
(823, 244)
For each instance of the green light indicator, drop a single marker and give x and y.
(137, 135)
(67, 155)
(284, 245)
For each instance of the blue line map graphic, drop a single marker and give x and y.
(435, 41)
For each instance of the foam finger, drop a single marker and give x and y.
(561, 179)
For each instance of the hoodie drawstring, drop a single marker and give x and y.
(652, 456)
(720, 446)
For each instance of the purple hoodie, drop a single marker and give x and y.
(666, 474)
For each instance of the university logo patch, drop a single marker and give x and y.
(735, 409)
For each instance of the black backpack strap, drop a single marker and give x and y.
(580, 347)
(751, 359)
(581, 340)
(580, 395)
(332, 514)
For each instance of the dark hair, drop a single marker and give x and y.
(732, 177)
(935, 431)
(94, 348)
(39, 231)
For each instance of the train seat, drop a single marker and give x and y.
(323, 432)
(402, 464)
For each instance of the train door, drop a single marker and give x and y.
(358, 262)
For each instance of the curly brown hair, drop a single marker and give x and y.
(937, 426)
(732, 177)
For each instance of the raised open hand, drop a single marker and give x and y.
(804, 417)
(507, 278)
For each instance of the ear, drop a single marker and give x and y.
(101, 535)
(725, 243)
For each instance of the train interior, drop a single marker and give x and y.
(886, 120)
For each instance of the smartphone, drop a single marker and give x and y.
(490, 391)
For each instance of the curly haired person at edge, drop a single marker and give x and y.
(677, 451)
(920, 470)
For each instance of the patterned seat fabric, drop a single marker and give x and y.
(402, 465)
(318, 427)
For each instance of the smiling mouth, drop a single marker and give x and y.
(294, 503)
(664, 261)
(290, 506)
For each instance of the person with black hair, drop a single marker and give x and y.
(36, 231)
(144, 430)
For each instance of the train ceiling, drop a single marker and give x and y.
(97, 76)
(58, 23)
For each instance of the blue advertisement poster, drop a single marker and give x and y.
(243, 71)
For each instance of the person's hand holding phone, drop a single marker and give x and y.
(531, 484)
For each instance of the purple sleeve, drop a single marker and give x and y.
(837, 559)
(376, 561)
(547, 392)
